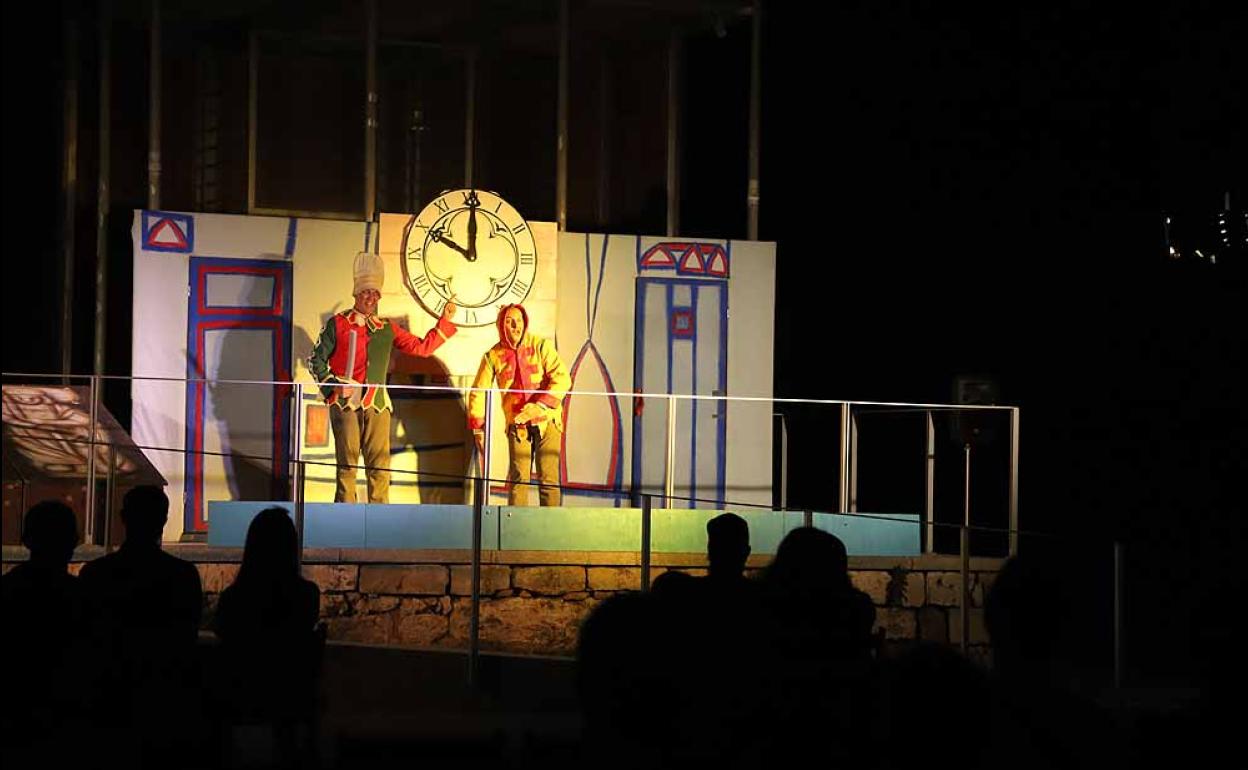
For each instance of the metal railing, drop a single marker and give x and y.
(847, 475)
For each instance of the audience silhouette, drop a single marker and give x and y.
(147, 606)
(271, 645)
(719, 671)
(1038, 712)
(46, 615)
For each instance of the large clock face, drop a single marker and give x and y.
(470, 247)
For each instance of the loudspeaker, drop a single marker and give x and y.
(976, 427)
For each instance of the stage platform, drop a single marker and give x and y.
(399, 526)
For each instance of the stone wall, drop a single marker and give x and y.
(534, 601)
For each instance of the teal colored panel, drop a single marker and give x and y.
(875, 534)
(333, 525)
(345, 525)
(792, 520)
(228, 520)
(680, 530)
(569, 529)
(427, 526)
(767, 529)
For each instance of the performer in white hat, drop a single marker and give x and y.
(351, 360)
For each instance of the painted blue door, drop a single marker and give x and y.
(681, 347)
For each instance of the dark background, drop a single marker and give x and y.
(952, 191)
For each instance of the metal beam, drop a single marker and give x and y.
(561, 130)
(756, 98)
(103, 198)
(253, 104)
(673, 133)
(69, 190)
(604, 139)
(470, 116)
(370, 113)
(153, 109)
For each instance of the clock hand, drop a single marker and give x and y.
(439, 236)
(472, 233)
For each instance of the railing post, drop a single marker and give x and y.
(647, 502)
(853, 463)
(301, 472)
(784, 462)
(296, 438)
(1013, 481)
(485, 455)
(669, 474)
(474, 625)
(108, 494)
(480, 496)
(842, 502)
(964, 551)
(89, 514)
(1118, 600)
(929, 498)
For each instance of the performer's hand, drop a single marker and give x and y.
(448, 312)
(530, 414)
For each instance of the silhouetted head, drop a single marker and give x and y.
(272, 548)
(810, 559)
(144, 511)
(1024, 611)
(50, 532)
(727, 545)
(675, 586)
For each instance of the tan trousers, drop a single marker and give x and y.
(522, 441)
(365, 429)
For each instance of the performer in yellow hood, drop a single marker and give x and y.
(524, 362)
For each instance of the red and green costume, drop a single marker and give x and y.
(364, 425)
(375, 339)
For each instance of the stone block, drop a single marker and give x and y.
(494, 578)
(549, 580)
(333, 577)
(615, 578)
(215, 578)
(404, 580)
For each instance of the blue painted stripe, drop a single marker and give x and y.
(693, 433)
(722, 445)
(292, 229)
(667, 320)
(602, 271)
(639, 320)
